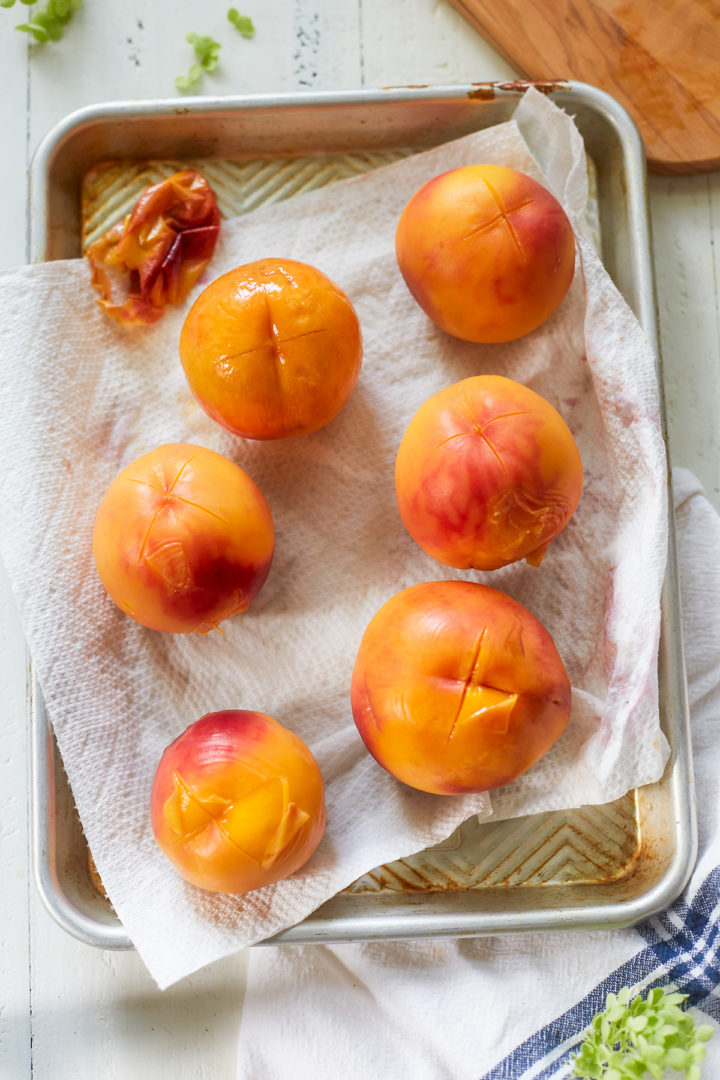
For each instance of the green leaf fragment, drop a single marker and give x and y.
(207, 51)
(203, 45)
(186, 82)
(37, 31)
(242, 23)
(209, 60)
(49, 24)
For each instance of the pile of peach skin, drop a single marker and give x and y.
(456, 687)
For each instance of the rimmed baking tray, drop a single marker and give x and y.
(597, 866)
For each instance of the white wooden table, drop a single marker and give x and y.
(66, 1010)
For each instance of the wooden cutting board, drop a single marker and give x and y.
(660, 58)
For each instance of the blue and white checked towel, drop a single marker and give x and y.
(508, 1007)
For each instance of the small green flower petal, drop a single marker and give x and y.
(38, 32)
(634, 1038)
(48, 24)
(242, 23)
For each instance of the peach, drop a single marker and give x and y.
(458, 688)
(237, 802)
(272, 348)
(487, 252)
(487, 473)
(183, 539)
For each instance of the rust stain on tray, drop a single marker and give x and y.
(591, 845)
(482, 92)
(548, 86)
(95, 878)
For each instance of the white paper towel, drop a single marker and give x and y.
(82, 397)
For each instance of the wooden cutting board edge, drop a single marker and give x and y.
(655, 164)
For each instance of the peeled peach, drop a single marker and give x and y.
(237, 802)
(487, 252)
(272, 348)
(183, 539)
(458, 688)
(487, 472)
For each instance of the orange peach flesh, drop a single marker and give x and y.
(271, 349)
(183, 539)
(237, 802)
(458, 688)
(487, 252)
(487, 472)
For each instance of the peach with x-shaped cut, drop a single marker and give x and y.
(272, 348)
(183, 539)
(237, 802)
(458, 688)
(487, 252)
(487, 473)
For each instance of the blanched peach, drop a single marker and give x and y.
(183, 539)
(272, 348)
(458, 688)
(237, 802)
(487, 252)
(487, 472)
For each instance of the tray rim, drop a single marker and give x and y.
(679, 772)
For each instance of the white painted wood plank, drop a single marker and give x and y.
(712, 407)
(685, 224)
(100, 1015)
(117, 52)
(15, 874)
(13, 133)
(417, 42)
(15, 889)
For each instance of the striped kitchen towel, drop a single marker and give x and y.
(512, 1007)
(681, 949)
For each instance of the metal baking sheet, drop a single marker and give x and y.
(597, 866)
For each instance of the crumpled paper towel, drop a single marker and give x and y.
(82, 397)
